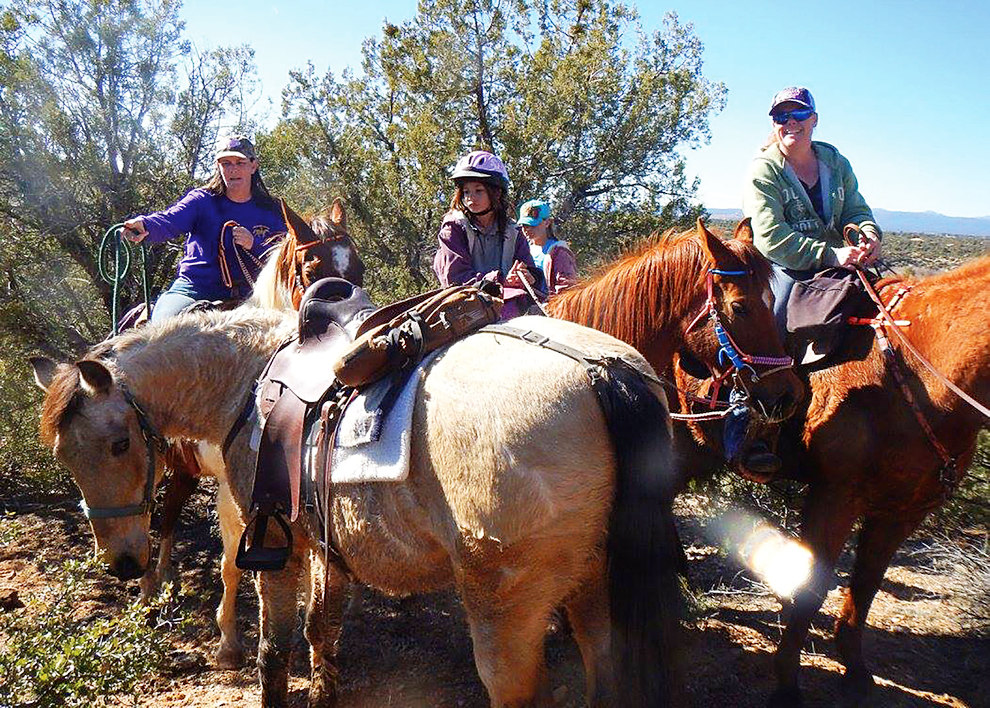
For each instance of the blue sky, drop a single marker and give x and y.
(901, 87)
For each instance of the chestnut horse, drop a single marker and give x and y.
(566, 500)
(865, 456)
(666, 297)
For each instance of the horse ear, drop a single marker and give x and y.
(44, 371)
(744, 231)
(96, 378)
(298, 228)
(338, 217)
(713, 246)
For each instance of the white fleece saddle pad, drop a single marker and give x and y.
(373, 445)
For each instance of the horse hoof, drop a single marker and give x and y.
(229, 657)
(785, 698)
(856, 685)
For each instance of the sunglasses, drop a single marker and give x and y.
(797, 114)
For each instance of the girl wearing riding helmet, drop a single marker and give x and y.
(479, 240)
(550, 254)
(232, 223)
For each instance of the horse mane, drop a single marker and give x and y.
(248, 326)
(649, 288)
(275, 278)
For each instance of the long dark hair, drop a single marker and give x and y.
(496, 195)
(259, 192)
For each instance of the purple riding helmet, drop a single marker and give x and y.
(481, 166)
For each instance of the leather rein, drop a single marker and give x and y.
(949, 474)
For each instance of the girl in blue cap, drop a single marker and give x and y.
(551, 255)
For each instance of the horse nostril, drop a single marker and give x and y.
(126, 567)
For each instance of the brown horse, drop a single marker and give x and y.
(577, 481)
(667, 298)
(865, 456)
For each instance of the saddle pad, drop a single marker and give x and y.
(371, 445)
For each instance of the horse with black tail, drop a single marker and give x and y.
(563, 501)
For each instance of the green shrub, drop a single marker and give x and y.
(51, 656)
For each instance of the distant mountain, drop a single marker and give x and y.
(921, 222)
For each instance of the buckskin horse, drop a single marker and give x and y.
(497, 493)
(862, 448)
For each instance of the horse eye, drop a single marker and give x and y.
(738, 308)
(119, 447)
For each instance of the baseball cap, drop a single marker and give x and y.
(794, 94)
(235, 146)
(533, 213)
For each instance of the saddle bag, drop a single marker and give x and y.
(438, 320)
(819, 308)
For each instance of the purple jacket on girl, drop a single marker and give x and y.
(454, 262)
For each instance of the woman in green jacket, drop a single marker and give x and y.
(800, 194)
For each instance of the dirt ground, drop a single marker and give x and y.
(412, 652)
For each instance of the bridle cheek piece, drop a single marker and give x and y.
(152, 441)
(729, 352)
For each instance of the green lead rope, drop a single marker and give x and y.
(122, 259)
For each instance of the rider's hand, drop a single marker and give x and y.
(134, 230)
(848, 256)
(869, 244)
(243, 237)
(517, 274)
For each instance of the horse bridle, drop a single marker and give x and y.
(152, 441)
(729, 351)
(302, 248)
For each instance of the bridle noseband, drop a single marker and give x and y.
(729, 352)
(152, 441)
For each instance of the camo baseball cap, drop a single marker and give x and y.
(235, 146)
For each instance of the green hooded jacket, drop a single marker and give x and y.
(786, 228)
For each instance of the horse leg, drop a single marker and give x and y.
(879, 538)
(277, 595)
(181, 485)
(507, 632)
(826, 522)
(588, 614)
(324, 619)
(229, 654)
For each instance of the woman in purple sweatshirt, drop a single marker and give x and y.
(231, 223)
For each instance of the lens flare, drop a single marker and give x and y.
(781, 562)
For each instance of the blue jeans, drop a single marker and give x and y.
(781, 285)
(181, 295)
(169, 304)
(735, 426)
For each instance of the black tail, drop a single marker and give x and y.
(643, 547)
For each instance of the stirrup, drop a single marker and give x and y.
(258, 556)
